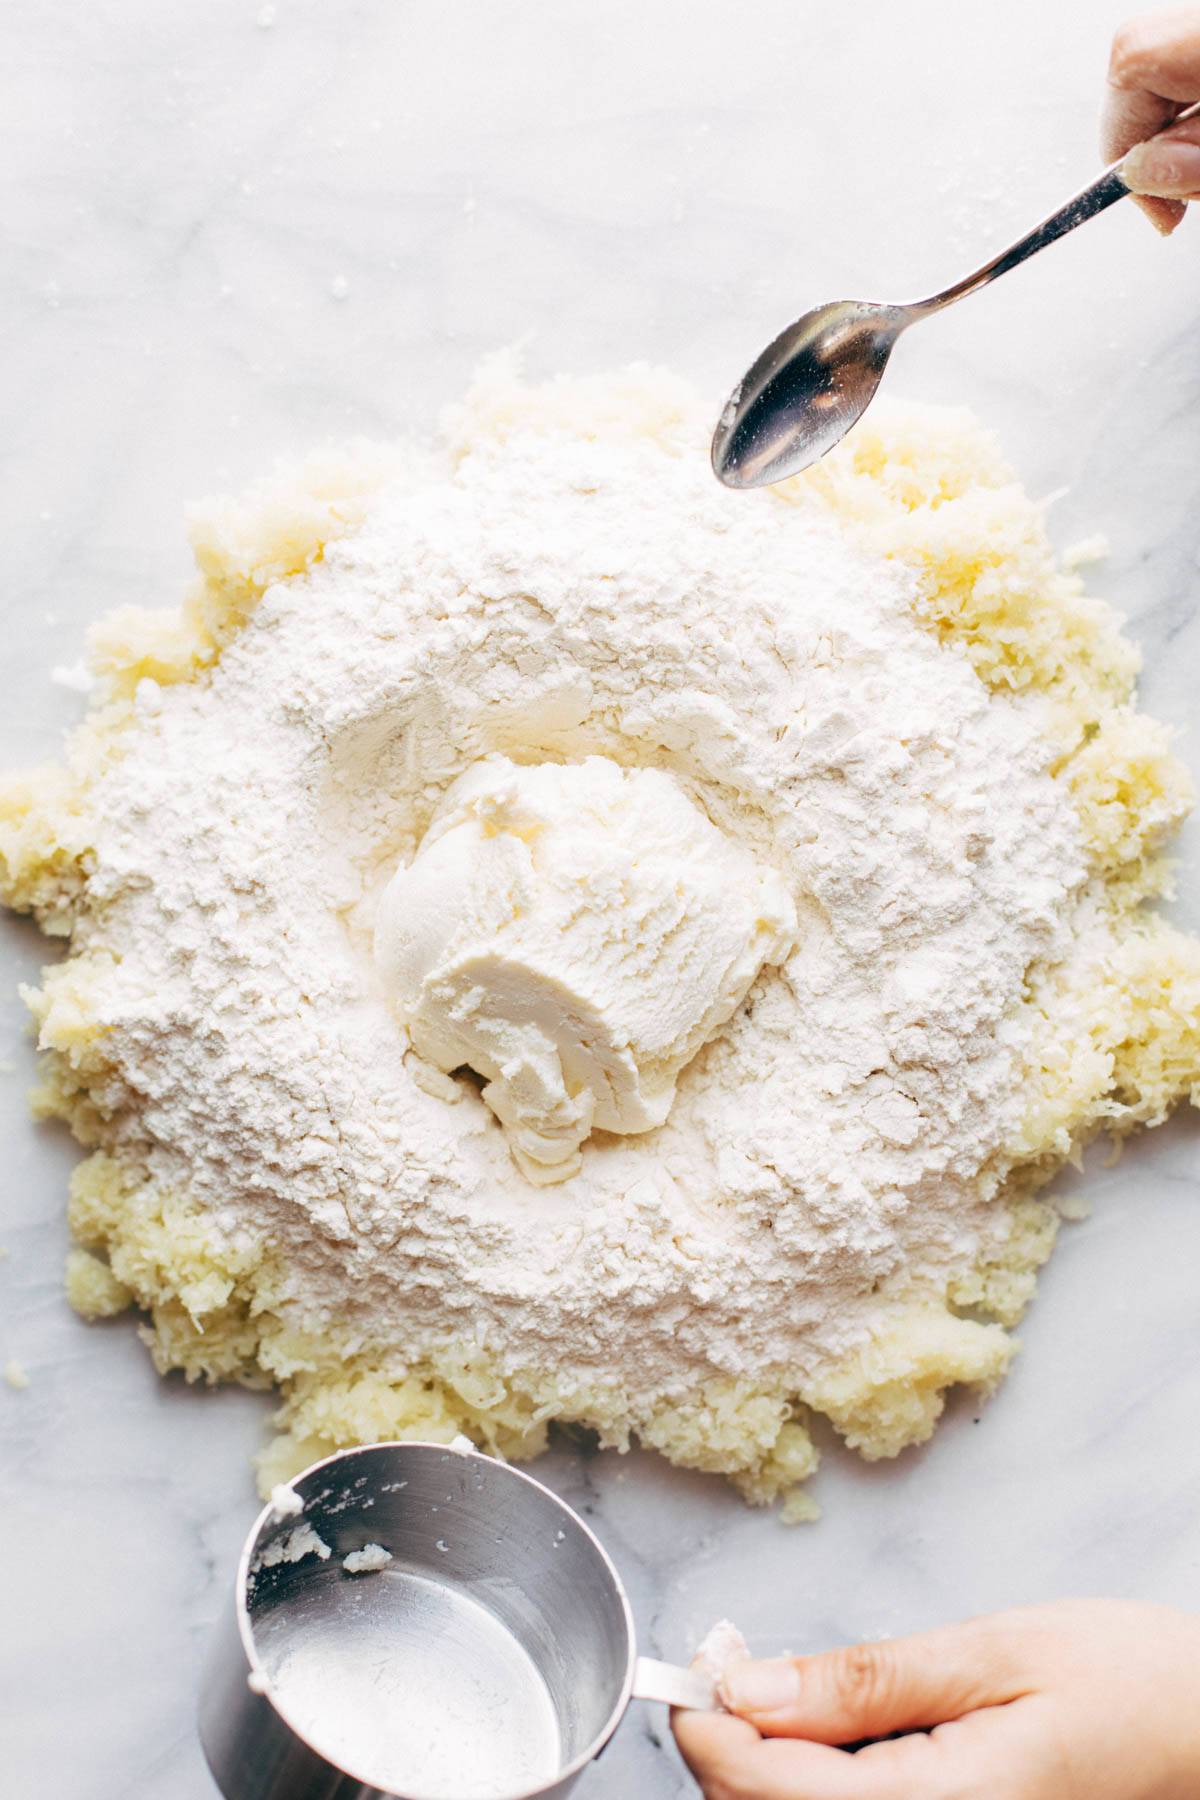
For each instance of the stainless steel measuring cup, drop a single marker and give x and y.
(489, 1657)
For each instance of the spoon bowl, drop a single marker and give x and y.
(805, 391)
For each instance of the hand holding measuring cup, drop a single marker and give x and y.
(1078, 1700)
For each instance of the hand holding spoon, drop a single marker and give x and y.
(809, 387)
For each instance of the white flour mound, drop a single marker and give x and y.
(547, 598)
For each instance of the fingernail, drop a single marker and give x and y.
(1165, 168)
(762, 1687)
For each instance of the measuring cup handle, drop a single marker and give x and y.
(653, 1680)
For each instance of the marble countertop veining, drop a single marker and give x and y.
(237, 229)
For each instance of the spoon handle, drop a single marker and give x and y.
(1084, 205)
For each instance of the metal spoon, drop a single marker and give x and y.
(807, 388)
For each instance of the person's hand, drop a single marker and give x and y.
(1153, 73)
(1080, 1700)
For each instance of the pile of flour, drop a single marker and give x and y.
(547, 598)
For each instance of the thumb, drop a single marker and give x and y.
(1167, 166)
(869, 1690)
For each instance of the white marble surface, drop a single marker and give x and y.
(188, 190)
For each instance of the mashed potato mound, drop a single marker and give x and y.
(1117, 1038)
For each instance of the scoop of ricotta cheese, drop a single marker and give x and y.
(574, 932)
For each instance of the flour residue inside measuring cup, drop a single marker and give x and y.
(413, 1686)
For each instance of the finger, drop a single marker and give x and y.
(963, 1757)
(1164, 215)
(1159, 53)
(868, 1690)
(1187, 131)
(732, 1762)
(1130, 116)
(1164, 174)
(712, 1742)
(1168, 166)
